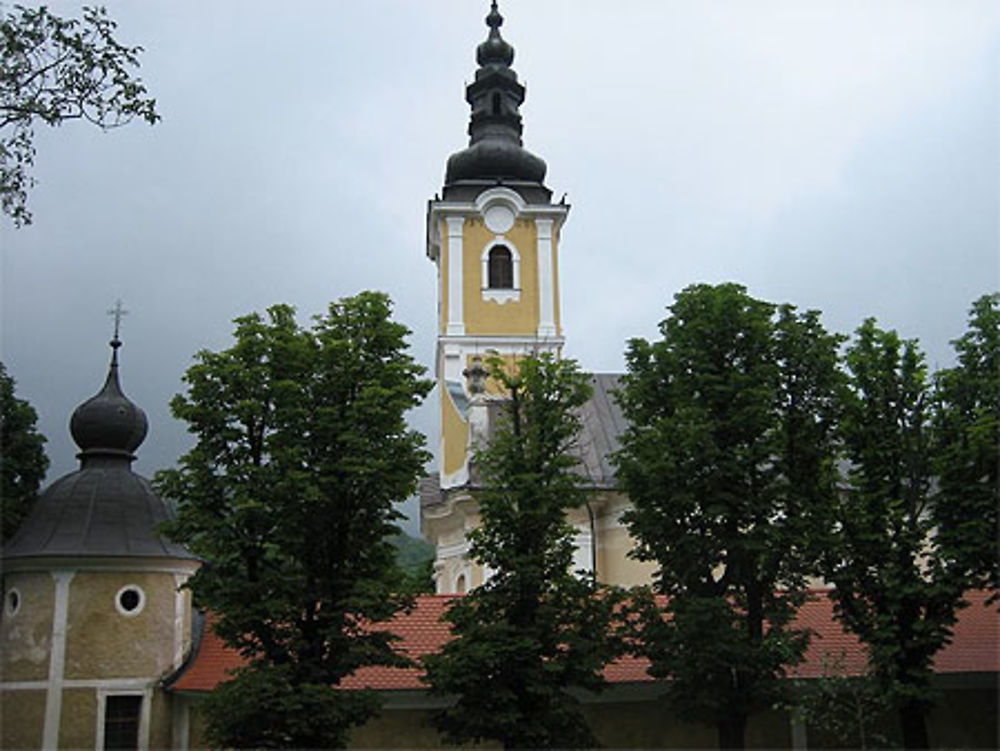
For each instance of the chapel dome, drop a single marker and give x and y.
(104, 509)
(109, 422)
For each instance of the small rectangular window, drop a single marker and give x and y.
(121, 721)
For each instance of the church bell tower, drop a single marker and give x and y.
(494, 236)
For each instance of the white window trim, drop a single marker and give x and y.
(501, 296)
(138, 609)
(144, 714)
(463, 572)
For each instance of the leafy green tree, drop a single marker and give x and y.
(848, 711)
(967, 423)
(53, 70)
(22, 459)
(899, 558)
(729, 463)
(302, 450)
(535, 629)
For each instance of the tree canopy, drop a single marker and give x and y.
(535, 629)
(906, 544)
(967, 424)
(302, 450)
(53, 70)
(729, 463)
(22, 457)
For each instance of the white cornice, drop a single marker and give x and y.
(502, 344)
(462, 208)
(104, 564)
(436, 210)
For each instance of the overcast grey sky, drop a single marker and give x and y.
(838, 155)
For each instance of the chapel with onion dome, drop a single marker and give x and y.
(93, 615)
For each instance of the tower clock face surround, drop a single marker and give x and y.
(499, 219)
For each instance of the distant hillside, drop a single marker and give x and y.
(412, 553)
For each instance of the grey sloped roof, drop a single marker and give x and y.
(602, 425)
(97, 511)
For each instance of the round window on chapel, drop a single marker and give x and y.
(13, 602)
(130, 600)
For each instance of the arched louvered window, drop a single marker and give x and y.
(501, 268)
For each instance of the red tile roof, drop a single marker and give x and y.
(974, 648)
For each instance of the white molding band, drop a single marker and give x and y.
(457, 346)
(52, 565)
(57, 659)
(546, 279)
(455, 313)
(181, 723)
(179, 619)
(454, 550)
(583, 551)
(95, 683)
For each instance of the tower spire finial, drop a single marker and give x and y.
(494, 20)
(495, 149)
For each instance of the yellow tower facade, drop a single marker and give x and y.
(498, 292)
(494, 235)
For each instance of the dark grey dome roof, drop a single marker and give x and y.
(495, 153)
(495, 158)
(103, 509)
(109, 422)
(96, 511)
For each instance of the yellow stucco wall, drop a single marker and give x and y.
(196, 723)
(613, 564)
(22, 717)
(488, 316)
(78, 721)
(396, 728)
(160, 721)
(101, 642)
(26, 636)
(454, 433)
(613, 543)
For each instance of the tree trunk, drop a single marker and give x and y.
(911, 716)
(732, 732)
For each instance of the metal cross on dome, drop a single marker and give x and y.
(118, 312)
